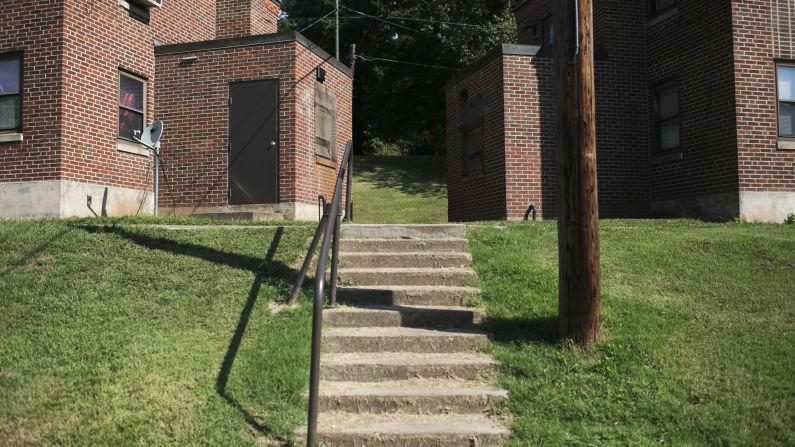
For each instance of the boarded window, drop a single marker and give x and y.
(325, 122)
(472, 133)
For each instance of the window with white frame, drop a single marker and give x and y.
(666, 116)
(132, 105)
(785, 74)
(11, 92)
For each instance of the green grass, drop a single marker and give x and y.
(118, 335)
(399, 189)
(698, 344)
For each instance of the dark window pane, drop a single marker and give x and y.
(667, 103)
(129, 122)
(9, 75)
(131, 93)
(786, 83)
(549, 32)
(668, 136)
(660, 5)
(786, 119)
(9, 112)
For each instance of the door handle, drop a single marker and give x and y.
(273, 145)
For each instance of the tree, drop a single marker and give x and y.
(399, 104)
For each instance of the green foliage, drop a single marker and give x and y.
(399, 189)
(790, 219)
(697, 341)
(120, 335)
(399, 103)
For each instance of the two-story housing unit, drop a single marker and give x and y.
(254, 119)
(695, 113)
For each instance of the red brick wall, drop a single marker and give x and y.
(480, 195)
(529, 136)
(36, 29)
(694, 47)
(763, 32)
(100, 39)
(238, 18)
(196, 156)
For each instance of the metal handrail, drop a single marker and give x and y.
(329, 227)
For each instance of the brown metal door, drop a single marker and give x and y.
(253, 142)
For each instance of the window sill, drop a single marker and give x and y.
(661, 17)
(10, 137)
(786, 144)
(663, 157)
(131, 148)
(472, 176)
(323, 161)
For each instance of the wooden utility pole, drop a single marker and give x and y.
(578, 211)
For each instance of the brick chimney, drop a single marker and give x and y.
(239, 18)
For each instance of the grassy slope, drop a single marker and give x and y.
(121, 336)
(698, 345)
(399, 190)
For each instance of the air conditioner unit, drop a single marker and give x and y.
(147, 3)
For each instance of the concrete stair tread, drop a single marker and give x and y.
(407, 358)
(400, 332)
(412, 387)
(407, 270)
(456, 245)
(409, 288)
(400, 315)
(397, 231)
(453, 424)
(364, 308)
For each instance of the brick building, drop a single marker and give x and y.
(78, 78)
(695, 114)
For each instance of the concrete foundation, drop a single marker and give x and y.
(766, 206)
(721, 206)
(64, 198)
(265, 211)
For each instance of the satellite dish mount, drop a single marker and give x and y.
(150, 138)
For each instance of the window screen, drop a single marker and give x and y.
(666, 115)
(10, 91)
(472, 133)
(786, 100)
(325, 122)
(132, 100)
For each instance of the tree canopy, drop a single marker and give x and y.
(407, 50)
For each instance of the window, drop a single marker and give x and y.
(658, 6)
(472, 133)
(132, 105)
(325, 122)
(549, 31)
(785, 74)
(666, 116)
(10, 92)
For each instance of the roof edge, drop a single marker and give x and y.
(251, 41)
(505, 49)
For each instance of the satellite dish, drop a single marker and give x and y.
(151, 135)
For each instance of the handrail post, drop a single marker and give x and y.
(335, 252)
(349, 191)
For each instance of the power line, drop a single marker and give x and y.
(412, 19)
(383, 20)
(318, 20)
(381, 59)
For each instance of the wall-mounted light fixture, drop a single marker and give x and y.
(320, 74)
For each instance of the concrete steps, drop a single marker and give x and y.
(416, 396)
(406, 295)
(401, 364)
(406, 316)
(388, 366)
(400, 339)
(382, 430)
(407, 276)
(410, 259)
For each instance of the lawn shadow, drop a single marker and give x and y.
(542, 330)
(268, 271)
(407, 176)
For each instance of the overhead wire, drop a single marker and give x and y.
(317, 21)
(382, 59)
